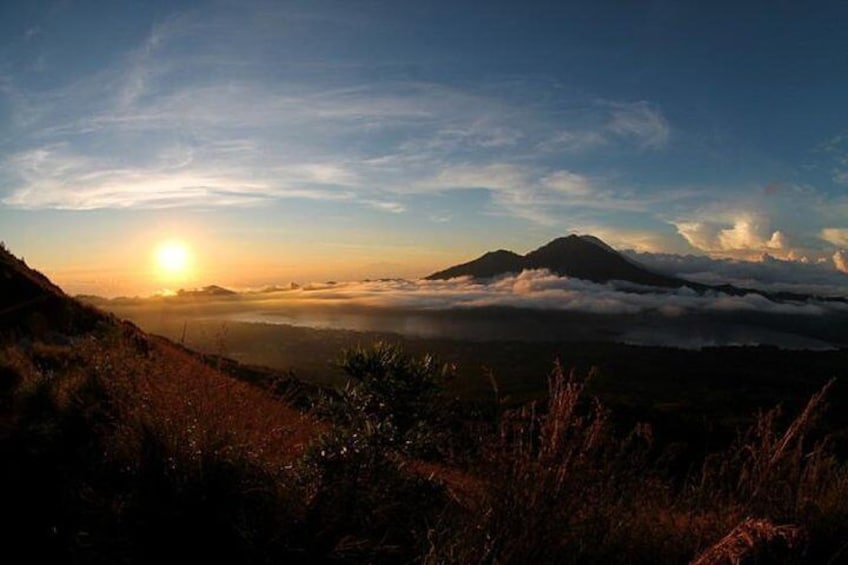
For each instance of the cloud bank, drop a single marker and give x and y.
(541, 290)
(531, 289)
(769, 273)
(534, 305)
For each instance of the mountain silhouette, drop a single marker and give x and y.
(582, 257)
(491, 264)
(206, 291)
(31, 305)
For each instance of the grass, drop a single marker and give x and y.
(119, 452)
(119, 448)
(562, 487)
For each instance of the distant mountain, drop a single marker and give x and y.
(491, 264)
(211, 290)
(582, 257)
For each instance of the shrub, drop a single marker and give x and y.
(364, 502)
(395, 400)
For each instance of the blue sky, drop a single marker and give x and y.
(298, 140)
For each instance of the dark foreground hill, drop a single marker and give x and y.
(32, 305)
(582, 257)
(118, 447)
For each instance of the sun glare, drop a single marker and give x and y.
(172, 259)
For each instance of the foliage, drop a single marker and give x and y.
(391, 408)
(120, 448)
(392, 400)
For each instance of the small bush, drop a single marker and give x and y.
(394, 399)
(365, 504)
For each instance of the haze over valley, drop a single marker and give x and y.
(510, 302)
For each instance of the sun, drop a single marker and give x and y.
(172, 259)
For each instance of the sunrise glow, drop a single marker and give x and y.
(172, 260)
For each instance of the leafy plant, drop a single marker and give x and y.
(396, 400)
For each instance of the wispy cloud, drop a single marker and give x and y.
(641, 121)
(388, 206)
(214, 109)
(178, 122)
(604, 123)
(575, 141)
(544, 195)
(55, 177)
(568, 183)
(836, 149)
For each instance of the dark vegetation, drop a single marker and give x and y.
(121, 448)
(699, 397)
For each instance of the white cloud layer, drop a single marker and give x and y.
(746, 234)
(769, 273)
(533, 289)
(836, 236)
(533, 305)
(840, 259)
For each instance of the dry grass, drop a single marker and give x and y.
(558, 487)
(196, 409)
(562, 487)
(775, 480)
(755, 540)
(141, 450)
(122, 449)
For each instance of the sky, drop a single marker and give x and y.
(321, 140)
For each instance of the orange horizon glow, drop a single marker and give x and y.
(173, 261)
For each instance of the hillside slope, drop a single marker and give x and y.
(32, 305)
(126, 448)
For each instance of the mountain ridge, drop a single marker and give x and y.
(583, 257)
(589, 258)
(30, 304)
